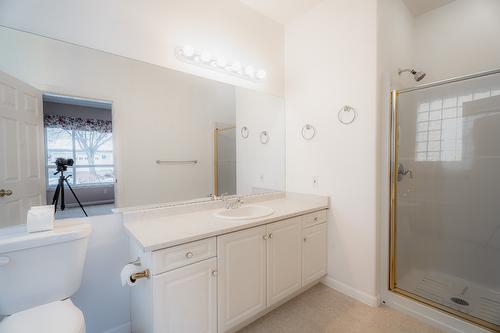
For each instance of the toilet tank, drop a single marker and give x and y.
(42, 267)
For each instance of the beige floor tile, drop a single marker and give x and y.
(324, 310)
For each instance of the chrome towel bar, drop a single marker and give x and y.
(177, 162)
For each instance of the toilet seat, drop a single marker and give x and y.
(55, 317)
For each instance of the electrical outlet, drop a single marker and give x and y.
(315, 181)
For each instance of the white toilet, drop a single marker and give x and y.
(38, 274)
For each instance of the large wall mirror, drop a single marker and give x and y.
(125, 133)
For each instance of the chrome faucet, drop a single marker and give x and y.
(233, 203)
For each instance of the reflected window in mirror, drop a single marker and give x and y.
(81, 131)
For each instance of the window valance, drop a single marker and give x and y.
(78, 124)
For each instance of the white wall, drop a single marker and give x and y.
(331, 54)
(101, 297)
(260, 167)
(151, 30)
(457, 39)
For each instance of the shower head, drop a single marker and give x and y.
(418, 76)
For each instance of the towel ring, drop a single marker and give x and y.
(308, 132)
(347, 114)
(264, 137)
(244, 132)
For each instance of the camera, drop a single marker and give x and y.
(63, 163)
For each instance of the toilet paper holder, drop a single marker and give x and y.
(140, 275)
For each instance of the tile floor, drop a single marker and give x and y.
(322, 309)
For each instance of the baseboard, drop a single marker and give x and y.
(350, 291)
(124, 328)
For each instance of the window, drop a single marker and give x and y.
(440, 127)
(90, 147)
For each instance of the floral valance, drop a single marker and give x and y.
(79, 124)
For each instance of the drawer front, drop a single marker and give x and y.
(313, 219)
(182, 255)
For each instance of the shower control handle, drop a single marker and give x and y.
(402, 171)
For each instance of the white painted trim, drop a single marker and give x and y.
(124, 328)
(351, 292)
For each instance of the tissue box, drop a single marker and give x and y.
(40, 218)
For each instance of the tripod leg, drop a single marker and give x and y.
(55, 198)
(63, 205)
(74, 194)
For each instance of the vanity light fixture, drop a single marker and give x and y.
(204, 58)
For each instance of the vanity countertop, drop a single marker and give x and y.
(158, 232)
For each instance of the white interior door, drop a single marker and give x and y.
(22, 176)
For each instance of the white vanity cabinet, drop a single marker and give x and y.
(185, 299)
(222, 283)
(313, 253)
(241, 260)
(263, 266)
(283, 259)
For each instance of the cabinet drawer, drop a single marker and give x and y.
(312, 219)
(181, 255)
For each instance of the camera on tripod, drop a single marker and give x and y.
(63, 163)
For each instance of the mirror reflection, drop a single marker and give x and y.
(116, 132)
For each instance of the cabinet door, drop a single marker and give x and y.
(313, 253)
(242, 276)
(284, 247)
(185, 299)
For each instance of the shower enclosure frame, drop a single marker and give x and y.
(393, 201)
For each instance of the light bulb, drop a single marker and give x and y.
(222, 62)
(197, 59)
(261, 74)
(188, 51)
(250, 71)
(206, 56)
(236, 66)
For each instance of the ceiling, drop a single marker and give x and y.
(419, 7)
(282, 11)
(285, 11)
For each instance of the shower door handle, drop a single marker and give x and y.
(402, 171)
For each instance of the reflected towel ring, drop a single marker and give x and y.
(308, 131)
(245, 132)
(264, 137)
(347, 115)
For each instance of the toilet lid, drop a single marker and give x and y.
(55, 317)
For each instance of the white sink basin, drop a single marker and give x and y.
(246, 212)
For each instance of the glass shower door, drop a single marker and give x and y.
(445, 198)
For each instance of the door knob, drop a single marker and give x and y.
(5, 193)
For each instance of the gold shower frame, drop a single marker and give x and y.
(393, 204)
(217, 130)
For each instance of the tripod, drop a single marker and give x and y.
(60, 190)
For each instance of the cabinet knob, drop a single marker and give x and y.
(271, 236)
(316, 219)
(264, 237)
(305, 239)
(214, 273)
(189, 255)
